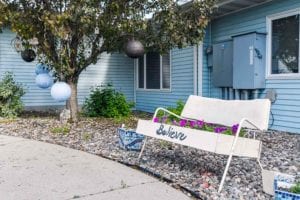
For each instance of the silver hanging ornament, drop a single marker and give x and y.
(134, 48)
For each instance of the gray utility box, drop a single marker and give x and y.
(222, 64)
(249, 56)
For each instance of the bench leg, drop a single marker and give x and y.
(142, 150)
(225, 173)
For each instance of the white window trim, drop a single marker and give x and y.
(145, 77)
(269, 20)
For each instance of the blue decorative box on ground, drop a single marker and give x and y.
(282, 183)
(130, 140)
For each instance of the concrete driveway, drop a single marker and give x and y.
(31, 170)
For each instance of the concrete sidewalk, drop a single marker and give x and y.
(31, 170)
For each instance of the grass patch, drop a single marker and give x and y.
(64, 130)
(86, 136)
(131, 120)
(7, 120)
(165, 144)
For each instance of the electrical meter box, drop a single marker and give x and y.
(222, 64)
(249, 56)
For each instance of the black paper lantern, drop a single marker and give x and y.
(134, 49)
(28, 55)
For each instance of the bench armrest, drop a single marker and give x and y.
(251, 123)
(167, 111)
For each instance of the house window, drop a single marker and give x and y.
(154, 71)
(284, 44)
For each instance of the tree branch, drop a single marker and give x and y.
(95, 52)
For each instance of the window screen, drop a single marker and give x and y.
(152, 71)
(141, 72)
(285, 45)
(166, 71)
(157, 70)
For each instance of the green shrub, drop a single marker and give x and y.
(10, 96)
(106, 102)
(177, 110)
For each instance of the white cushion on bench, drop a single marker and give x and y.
(228, 112)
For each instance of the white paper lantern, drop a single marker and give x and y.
(60, 91)
(44, 81)
(41, 69)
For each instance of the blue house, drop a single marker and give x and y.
(251, 50)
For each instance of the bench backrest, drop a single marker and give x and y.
(228, 112)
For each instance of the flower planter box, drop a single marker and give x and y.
(130, 140)
(207, 141)
(284, 181)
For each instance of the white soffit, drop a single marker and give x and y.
(225, 7)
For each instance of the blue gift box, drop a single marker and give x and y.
(130, 140)
(284, 182)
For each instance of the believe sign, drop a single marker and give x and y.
(207, 141)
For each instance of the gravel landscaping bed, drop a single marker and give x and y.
(197, 171)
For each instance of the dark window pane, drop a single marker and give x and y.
(285, 45)
(141, 72)
(152, 71)
(166, 71)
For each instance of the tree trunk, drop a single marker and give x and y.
(68, 104)
(73, 103)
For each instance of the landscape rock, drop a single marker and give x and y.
(195, 170)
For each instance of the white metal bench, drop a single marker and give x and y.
(247, 113)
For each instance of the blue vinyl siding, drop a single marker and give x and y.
(115, 68)
(182, 83)
(286, 110)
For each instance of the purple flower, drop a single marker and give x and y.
(219, 129)
(164, 119)
(234, 128)
(192, 124)
(175, 122)
(182, 122)
(200, 123)
(156, 119)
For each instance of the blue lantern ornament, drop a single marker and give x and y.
(41, 69)
(44, 81)
(60, 91)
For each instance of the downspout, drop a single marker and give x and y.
(195, 70)
(200, 69)
(134, 81)
(209, 69)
